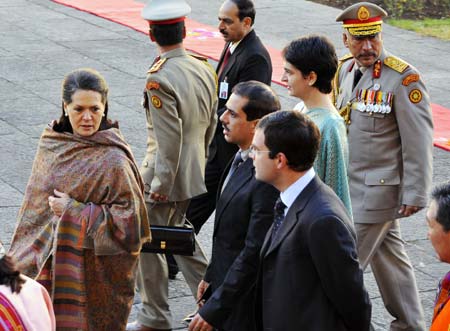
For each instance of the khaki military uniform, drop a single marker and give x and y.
(390, 131)
(181, 119)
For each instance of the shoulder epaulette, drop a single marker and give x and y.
(199, 57)
(396, 64)
(156, 66)
(208, 65)
(346, 57)
(342, 60)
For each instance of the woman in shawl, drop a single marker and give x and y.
(310, 63)
(83, 218)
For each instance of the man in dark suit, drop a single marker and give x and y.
(309, 276)
(243, 58)
(244, 214)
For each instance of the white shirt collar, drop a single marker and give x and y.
(245, 154)
(233, 46)
(289, 195)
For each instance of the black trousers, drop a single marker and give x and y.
(202, 206)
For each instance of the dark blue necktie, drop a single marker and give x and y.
(278, 216)
(236, 163)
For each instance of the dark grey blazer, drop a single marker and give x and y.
(309, 276)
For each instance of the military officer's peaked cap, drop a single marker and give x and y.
(165, 11)
(362, 18)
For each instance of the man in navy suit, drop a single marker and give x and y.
(243, 58)
(309, 275)
(244, 214)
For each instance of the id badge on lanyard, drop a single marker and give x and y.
(223, 89)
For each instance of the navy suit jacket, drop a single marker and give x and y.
(309, 277)
(244, 214)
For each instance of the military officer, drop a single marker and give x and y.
(387, 110)
(180, 101)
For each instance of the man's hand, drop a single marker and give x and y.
(58, 202)
(199, 324)
(202, 286)
(158, 197)
(406, 210)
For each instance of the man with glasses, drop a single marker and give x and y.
(309, 275)
(244, 214)
(390, 133)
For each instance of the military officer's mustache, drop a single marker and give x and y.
(223, 32)
(367, 54)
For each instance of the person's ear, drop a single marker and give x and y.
(66, 112)
(184, 32)
(345, 39)
(312, 78)
(247, 22)
(281, 160)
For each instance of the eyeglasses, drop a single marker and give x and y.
(254, 151)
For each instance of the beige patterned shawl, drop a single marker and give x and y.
(90, 252)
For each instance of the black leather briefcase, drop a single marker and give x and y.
(171, 239)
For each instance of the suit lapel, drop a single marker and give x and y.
(242, 175)
(293, 216)
(222, 179)
(222, 56)
(229, 65)
(266, 244)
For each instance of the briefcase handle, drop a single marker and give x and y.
(183, 215)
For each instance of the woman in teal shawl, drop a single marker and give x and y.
(309, 66)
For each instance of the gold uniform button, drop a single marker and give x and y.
(145, 164)
(349, 122)
(382, 181)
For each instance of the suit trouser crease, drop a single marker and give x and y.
(152, 276)
(381, 245)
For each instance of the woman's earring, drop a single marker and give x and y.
(103, 115)
(66, 114)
